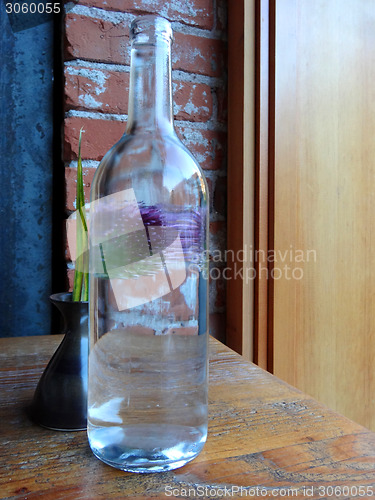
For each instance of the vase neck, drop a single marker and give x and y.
(75, 314)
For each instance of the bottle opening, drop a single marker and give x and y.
(150, 29)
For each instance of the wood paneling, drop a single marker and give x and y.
(324, 323)
(263, 231)
(241, 101)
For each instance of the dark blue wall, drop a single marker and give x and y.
(26, 139)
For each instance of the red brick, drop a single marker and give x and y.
(99, 137)
(71, 185)
(97, 40)
(138, 329)
(198, 13)
(200, 55)
(70, 276)
(68, 257)
(193, 101)
(97, 90)
(207, 146)
(107, 91)
(217, 320)
(220, 196)
(209, 184)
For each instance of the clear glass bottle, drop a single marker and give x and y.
(148, 368)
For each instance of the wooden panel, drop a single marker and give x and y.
(240, 292)
(261, 223)
(324, 340)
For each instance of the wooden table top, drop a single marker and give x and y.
(265, 439)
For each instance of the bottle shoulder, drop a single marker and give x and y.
(147, 152)
(166, 145)
(154, 158)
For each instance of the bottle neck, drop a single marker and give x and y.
(150, 96)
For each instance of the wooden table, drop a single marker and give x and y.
(264, 437)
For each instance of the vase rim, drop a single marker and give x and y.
(65, 297)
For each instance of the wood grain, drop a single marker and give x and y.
(325, 201)
(240, 231)
(262, 433)
(262, 346)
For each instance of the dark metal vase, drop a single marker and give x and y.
(60, 399)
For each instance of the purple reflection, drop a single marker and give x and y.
(189, 225)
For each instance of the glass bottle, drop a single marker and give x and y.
(147, 388)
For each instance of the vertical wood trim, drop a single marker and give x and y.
(271, 181)
(249, 175)
(264, 182)
(241, 129)
(261, 182)
(235, 168)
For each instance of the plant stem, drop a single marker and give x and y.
(80, 287)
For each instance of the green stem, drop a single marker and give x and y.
(78, 275)
(80, 286)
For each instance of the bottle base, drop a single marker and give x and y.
(147, 449)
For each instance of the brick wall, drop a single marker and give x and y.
(96, 69)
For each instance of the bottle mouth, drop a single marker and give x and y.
(150, 29)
